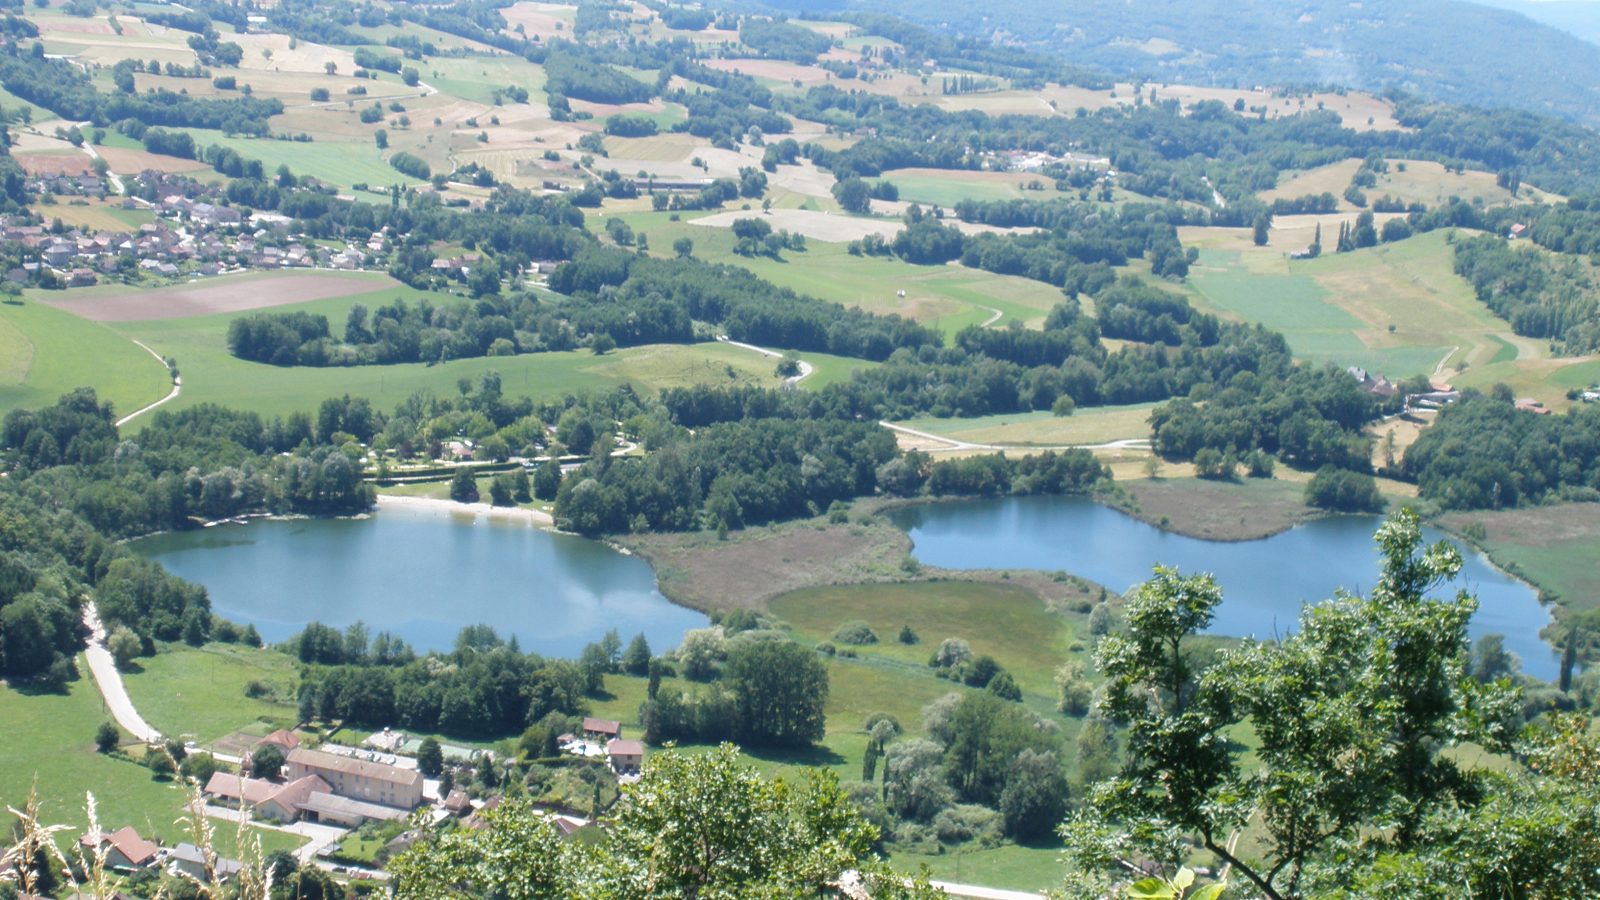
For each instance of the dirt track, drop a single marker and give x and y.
(224, 295)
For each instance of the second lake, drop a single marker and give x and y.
(1264, 582)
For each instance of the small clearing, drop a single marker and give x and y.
(229, 294)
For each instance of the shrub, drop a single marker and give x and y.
(979, 671)
(1063, 407)
(855, 632)
(107, 737)
(1005, 687)
(319, 95)
(907, 636)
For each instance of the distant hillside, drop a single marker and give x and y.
(1576, 17)
(1447, 50)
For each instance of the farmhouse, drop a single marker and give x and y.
(286, 740)
(359, 780)
(602, 728)
(626, 756)
(125, 850)
(189, 860)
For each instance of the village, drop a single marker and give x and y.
(328, 793)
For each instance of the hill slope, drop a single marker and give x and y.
(1444, 49)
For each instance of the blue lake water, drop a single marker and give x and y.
(1265, 582)
(423, 575)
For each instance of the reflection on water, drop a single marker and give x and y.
(1264, 582)
(423, 575)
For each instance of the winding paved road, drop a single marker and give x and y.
(805, 368)
(177, 388)
(104, 669)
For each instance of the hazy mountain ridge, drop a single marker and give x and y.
(1447, 50)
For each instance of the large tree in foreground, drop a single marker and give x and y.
(1353, 715)
(698, 825)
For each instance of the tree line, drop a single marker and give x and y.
(73, 487)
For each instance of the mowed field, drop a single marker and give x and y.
(1341, 307)
(198, 694)
(950, 296)
(1089, 425)
(46, 352)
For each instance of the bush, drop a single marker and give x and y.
(855, 632)
(1063, 407)
(907, 636)
(963, 823)
(319, 95)
(1343, 491)
(107, 737)
(1005, 687)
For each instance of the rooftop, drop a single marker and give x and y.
(356, 767)
(344, 807)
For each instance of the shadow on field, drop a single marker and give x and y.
(815, 755)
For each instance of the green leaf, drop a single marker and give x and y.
(1183, 879)
(1151, 889)
(1209, 892)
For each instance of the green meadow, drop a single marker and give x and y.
(199, 693)
(952, 297)
(46, 352)
(50, 746)
(339, 162)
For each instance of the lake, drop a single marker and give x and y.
(1264, 582)
(423, 575)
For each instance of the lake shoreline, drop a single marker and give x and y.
(432, 504)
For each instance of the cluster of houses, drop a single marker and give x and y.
(125, 852)
(1440, 394)
(68, 185)
(603, 737)
(79, 258)
(321, 787)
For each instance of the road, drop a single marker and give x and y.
(984, 893)
(805, 368)
(114, 178)
(177, 388)
(955, 444)
(104, 669)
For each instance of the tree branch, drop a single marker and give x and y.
(1235, 862)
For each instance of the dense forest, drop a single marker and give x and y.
(1483, 453)
(1540, 295)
